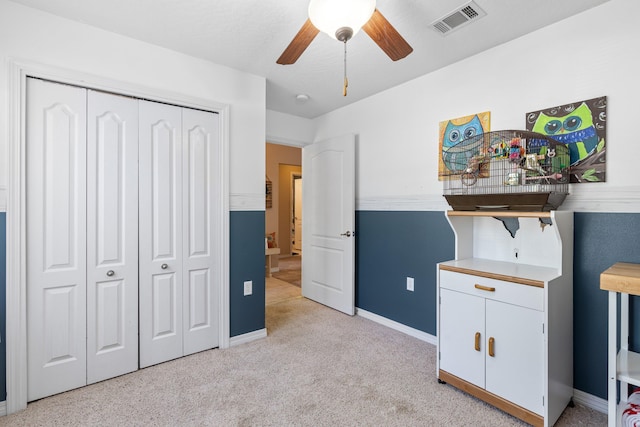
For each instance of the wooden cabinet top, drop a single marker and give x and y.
(621, 277)
(525, 274)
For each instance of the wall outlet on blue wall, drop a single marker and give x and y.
(410, 284)
(248, 287)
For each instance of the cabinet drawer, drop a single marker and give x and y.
(498, 290)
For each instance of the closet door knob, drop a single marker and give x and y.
(346, 233)
(164, 266)
(110, 273)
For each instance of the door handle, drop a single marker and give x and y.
(477, 343)
(347, 233)
(492, 343)
(110, 273)
(164, 266)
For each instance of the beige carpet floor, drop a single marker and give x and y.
(290, 270)
(279, 291)
(317, 367)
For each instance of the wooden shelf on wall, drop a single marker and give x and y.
(509, 214)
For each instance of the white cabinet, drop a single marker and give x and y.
(486, 350)
(505, 318)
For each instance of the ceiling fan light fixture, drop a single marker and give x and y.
(332, 16)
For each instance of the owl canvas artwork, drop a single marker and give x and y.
(582, 126)
(454, 152)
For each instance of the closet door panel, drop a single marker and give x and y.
(56, 236)
(160, 205)
(201, 193)
(112, 236)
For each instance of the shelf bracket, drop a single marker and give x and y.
(512, 224)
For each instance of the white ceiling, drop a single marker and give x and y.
(249, 35)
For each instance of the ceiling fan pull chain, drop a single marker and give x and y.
(346, 81)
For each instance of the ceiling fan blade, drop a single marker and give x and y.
(299, 43)
(385, 36)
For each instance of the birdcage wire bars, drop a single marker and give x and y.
(506, 169)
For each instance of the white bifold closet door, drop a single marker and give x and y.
(179, 207)
(81, 222)
(112, 236)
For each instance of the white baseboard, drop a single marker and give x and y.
(3, 408)
(423, 336)
(248, 337)
(590, 401)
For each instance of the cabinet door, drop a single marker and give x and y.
(461, 337)
(516, 369)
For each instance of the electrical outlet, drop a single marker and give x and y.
(248, 287)
(410, 284)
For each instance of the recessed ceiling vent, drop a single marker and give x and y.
(460, 17)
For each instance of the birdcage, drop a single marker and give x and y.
(507, 169)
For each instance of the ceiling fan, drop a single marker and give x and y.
(342, 19)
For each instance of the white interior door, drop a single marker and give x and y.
(328, 240)
(201, 212)
(160, 206)
(112, 236)
(56, 237)
(297, 214)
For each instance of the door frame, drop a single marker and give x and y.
(292, 191)
(16, 307)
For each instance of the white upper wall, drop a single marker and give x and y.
(286, 129)
(36, 37)
(589, 55)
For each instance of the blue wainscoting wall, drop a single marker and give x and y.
(3, 304)
(600, 240)
(246, 236)
(391, 246)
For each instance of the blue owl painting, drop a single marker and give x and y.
(455, 153)
(582, 127)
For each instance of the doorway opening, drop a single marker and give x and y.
(296, 214)
(283, 223)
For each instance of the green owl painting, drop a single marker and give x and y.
(581, 126)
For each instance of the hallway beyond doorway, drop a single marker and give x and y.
(279, 291)
(289, 270)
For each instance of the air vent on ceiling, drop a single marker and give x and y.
(460, 17)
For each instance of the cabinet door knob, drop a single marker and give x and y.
(492, 343)
(110, 273)
(485, 288)
(164, 266)
(477, 343)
